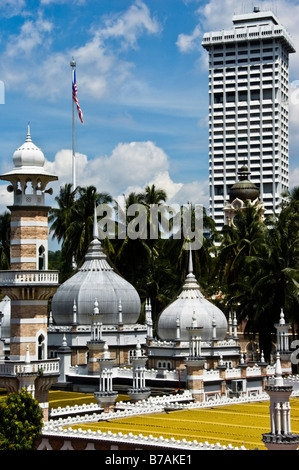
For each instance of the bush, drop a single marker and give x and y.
(21, 421)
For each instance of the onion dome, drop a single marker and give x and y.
(29, 162)
(28, 154)
(244, 188)
(190, 306)
(96, 279)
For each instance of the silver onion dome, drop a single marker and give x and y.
(28, 154)
(189, 305)
(96, 279)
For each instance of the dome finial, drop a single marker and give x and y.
(28, 138)
(95, 224)
(190, 266)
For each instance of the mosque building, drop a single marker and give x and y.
(90, 336)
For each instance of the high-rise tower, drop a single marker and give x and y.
(248, 108)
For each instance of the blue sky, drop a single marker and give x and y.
(142, 85)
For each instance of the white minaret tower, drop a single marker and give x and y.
(283, 346)
(106, 396)
(28, 283)
(280, 436)
(139, 391)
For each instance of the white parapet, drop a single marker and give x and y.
(16, 278)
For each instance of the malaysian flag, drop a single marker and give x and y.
(75, 97)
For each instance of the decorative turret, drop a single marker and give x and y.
(139, 391)
(96, 343)
(29, 215)
(243, 190)
(106, 396)
(280, 436)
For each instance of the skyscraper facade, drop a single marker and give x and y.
(248, 108)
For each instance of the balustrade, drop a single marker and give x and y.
(16, 278)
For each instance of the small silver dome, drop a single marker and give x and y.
(96, 279)
(191, 303)
(28, 154)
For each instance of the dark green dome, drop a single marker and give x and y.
(244, 188)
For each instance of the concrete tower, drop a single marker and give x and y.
(28, 283)
(248, 109)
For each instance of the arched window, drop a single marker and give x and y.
(252, 351)
(41, 258)
(41, 348)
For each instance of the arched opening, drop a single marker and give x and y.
(41, 348)
(38, 188)
(41, 258)
(252, 351)
(19, 188)
(28, 187)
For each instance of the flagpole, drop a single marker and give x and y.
(73, 65)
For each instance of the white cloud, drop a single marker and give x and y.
(130, 25)
(128, 163)
(32, 34)
(6, 198)
(129, 168)
(190, 42)
(101, 67)
(195, 192)
(10, 8)
(294, 178)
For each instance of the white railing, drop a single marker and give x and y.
(43, 367)
(120, 438)
(71, 415)
(212, 374)
(16, 278)
(233, 373)
(258, 32)
(252, 371)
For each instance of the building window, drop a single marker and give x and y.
(41, 258)
(218, 98)
(41, 348)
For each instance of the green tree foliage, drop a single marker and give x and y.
(251, 266)
(258, 266)
(20, 421)
(72, 223)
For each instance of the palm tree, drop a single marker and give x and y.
(131, 255)
(79, 232)
(269, 278)
(62, 215)
(177, 249)
(238, 241)
(72, 222)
